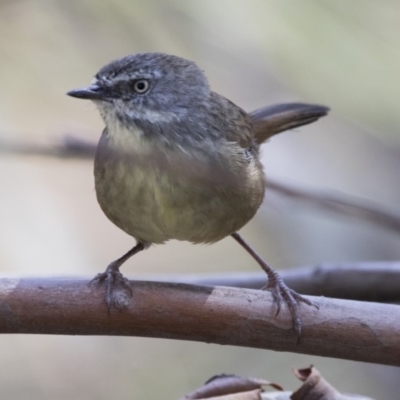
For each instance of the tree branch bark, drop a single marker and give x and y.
(366, 281)
(240, 317)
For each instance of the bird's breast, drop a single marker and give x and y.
(155, 193)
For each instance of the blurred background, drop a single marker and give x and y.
(255, 52)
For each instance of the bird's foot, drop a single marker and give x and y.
(118, 288)
(281, 292)
(278, 288)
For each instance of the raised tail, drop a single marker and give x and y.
(269, 121)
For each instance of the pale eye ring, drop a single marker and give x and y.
(141, 86)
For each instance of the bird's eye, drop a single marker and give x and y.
(141, 86)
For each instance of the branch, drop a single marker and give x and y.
(367, 281)
(340, 204)
(67, 147)
(73, 147)
(240, 317)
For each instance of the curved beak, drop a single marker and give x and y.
(92, 92)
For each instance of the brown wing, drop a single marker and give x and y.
(230, 121)
(269, 121)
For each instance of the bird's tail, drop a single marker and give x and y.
(269, 121)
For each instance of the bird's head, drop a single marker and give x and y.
(152, 87)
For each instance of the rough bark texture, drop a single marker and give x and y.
(241, 317)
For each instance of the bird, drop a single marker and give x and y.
(178, 161)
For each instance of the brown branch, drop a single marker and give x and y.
(343, 204)
(240, 317)
(73, 147)
(66, 147)
(367, 281)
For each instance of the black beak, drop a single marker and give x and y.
(93, 92)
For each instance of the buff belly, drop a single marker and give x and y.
(154, 206)
(156, 193)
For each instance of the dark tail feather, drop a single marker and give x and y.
(269, 121)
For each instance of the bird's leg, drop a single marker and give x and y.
(112, 276)
(278, 287)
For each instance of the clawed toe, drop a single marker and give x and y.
(281, 292)
(114, 282)
(278, 288)
(117, 286)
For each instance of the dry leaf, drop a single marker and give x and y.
(315, 387)
(222, 385)
(251, 395)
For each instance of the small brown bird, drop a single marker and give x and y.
(179, 161)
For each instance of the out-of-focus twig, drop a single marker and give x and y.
(240, 317)
(367, 281)
(341, 204)
(68, 146)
